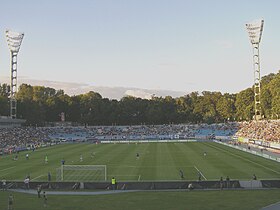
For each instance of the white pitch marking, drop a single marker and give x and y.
(7, 168)
(38, 177)
(3, 175)
(200, 172)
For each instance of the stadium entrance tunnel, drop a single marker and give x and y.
(156, 185)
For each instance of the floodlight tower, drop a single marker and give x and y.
(14, 40)
(255, 32)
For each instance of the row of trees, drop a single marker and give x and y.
(38, 104)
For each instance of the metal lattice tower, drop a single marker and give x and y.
(14, 40)
(255, 32)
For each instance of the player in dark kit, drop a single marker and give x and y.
(181, 174)
(10, 202)
(62, 161)
(45, 199)
(199, 176)
(39, 189)
(221, 183)
(254, 177)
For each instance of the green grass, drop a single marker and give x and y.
(204, 200)
(158, 161)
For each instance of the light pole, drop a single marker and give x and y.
(14, 40)
(254, 30)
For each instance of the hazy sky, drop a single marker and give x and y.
(181, 45)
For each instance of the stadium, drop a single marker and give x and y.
(202, 150)
(84, 160)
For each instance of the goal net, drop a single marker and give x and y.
(81, 173)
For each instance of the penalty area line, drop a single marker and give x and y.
(3, 175)
(38, 177)
(7, 168)
(200, 172)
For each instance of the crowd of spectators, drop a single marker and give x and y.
(267, 130)
(21, 137)
(17, 138)
(170, 131)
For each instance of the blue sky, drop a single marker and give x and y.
(180, 45)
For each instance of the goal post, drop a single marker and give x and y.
(81, 173)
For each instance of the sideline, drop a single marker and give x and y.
(266, 154)
(258, 164)
(274, 206)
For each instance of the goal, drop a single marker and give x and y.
(81, 173)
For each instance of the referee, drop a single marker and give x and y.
(114, 183)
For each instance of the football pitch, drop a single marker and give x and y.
(157, 161)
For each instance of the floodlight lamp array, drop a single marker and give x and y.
(255, 31)
(14, 40)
